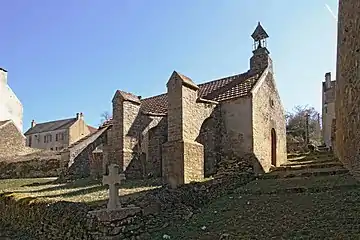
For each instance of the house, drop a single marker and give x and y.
(181, 135)
(328, 108)
(10, 106)
(59, 134)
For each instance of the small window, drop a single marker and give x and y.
(51, 149)
(325, 109)
(271, 102)
(56, 137)
(47, 138)
(30, 140)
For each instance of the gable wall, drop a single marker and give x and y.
(11, 140)
(78, 130)
(266, 116)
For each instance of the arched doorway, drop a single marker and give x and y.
(273, 147)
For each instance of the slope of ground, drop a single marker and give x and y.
(311, 197)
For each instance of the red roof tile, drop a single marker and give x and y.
(92, 129)
(219, 90)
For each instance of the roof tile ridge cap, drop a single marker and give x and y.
(223, 78)
(162, 94)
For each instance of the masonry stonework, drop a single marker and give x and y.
(268, 114)
(183, 160)
(348, 85)
(12, 140)
(187, 133)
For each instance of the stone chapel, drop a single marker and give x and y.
(182, 135)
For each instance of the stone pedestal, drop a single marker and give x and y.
(183, 162)
(107, 215)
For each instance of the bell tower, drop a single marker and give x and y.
(261, 55)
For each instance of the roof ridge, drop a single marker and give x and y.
(214, 80)
(153, 96)
(65, 119)
(200, 84)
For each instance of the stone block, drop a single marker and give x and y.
(106, 215)
(183, 162)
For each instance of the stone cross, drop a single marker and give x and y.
(113, 180)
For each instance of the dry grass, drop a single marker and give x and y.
(84, 190)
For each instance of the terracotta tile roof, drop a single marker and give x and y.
(106, 123)
(51, 126)
(156, 104)
(238, 90)
(91, 129)
(219, 90)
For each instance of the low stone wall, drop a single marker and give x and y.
(36, 167)
(146, 214)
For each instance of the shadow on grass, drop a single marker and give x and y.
(87, 182)
(78, 192)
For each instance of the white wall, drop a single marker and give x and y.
(10, 105)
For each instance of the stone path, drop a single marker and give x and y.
(310, 197)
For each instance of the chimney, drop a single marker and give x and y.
(3, 76)
(139, 97)
(33, 123)
(328, 80)
(77, 116)
(81, 115)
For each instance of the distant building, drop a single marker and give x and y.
(59, 134)
(10, 106)
(328, 108)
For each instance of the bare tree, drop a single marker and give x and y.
(105, 116)
(303, 121)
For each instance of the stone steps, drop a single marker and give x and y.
(308, 172)
(300, 166)
(300, 185)
(296, 163)
(302, 190)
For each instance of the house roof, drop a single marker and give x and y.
(222, 89)
(92, 129)
(51, 126)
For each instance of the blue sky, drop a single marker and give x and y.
(70, 56)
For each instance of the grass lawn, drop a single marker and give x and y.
(252, 212)
(83, 190)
